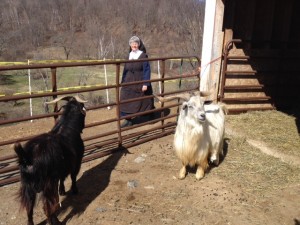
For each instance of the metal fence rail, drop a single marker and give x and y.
(111, 140)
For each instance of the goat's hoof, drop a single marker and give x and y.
(62, 192)
(199, 177)
(181, 177)
(182, 173)
(214, 160)
(54, 221)
(199, 174)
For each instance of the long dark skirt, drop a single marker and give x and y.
(136, 106)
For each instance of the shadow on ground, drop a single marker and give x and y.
(295, 112)
(99, 176)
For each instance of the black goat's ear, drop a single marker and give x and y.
(61, 108)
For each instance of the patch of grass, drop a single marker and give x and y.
(6, 80)
(72, 78)
(278, 130)
(254, 171)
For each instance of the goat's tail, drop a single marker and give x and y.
(27, 192)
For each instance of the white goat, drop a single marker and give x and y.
(199, 132)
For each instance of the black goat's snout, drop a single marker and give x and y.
(83, 110)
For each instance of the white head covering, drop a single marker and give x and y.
(134, 39)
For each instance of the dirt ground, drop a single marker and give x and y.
(140, 186)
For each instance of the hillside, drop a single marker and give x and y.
(94, 29)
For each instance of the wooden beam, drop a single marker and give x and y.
(217, 49)
(208, 34)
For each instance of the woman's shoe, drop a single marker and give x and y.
(126, 123)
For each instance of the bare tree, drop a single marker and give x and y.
(3, 42)
(103, 26)
(66, 42)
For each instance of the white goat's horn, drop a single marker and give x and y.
(184, 96)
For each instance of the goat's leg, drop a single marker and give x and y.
(215, 158)
(50, 207)
(221, 151)
(182, 172)
(201, 169)
(62, 190)
(51, 202)
(216, 153)
(54, 221)
(74, 174)
(29, 209)
(74, 188)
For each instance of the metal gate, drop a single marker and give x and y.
(109, 140)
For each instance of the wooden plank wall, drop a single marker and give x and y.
(270, 34)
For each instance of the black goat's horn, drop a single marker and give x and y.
(66, 98)
(78, 99)
(57, 100)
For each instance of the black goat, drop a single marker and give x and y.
(49, 158)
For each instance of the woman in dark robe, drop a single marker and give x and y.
(136, 71)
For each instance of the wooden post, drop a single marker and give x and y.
(217, 50)
(209, 24)
(54, 88)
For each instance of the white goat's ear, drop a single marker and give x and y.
(184, 106)
(195, 93)
(205, 93)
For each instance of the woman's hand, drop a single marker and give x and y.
(144, 88)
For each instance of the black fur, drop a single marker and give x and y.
(49, 158)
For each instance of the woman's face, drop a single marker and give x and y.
(134, 46)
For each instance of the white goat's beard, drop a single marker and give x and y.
(187, 143)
